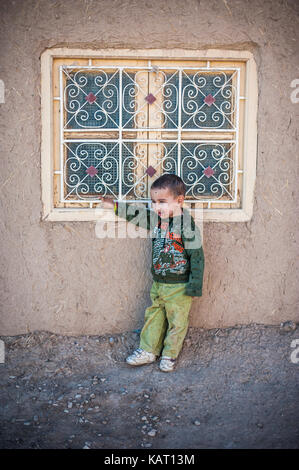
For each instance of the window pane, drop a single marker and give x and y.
(206, 100)
(103, 98)
(91, 169)
(91, 99)
(207, 170)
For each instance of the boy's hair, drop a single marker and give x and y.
(173, 182)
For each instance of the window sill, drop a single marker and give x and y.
(107, 215)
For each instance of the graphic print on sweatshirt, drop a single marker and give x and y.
(168, 252)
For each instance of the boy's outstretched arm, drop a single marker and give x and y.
(139, 215)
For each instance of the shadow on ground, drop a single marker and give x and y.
(232, 388)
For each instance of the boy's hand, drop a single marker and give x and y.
(107, 202)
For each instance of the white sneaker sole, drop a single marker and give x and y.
(133, 361)
(139, 363)
(167, 368)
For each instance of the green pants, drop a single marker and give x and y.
(166, 320)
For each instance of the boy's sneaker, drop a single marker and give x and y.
(167, 364)
(140, 357)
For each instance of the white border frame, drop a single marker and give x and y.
(49, 213)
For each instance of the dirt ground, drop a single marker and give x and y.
(232, 388)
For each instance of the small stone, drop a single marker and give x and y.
(78, 395)
(152, 433)
(288, 326)
(70, 404)
(92, 395)
(197, 422)
(144, 418)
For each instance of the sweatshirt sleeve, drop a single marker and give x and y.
(193, 246)
(139, 215)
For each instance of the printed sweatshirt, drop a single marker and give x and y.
(177, 253)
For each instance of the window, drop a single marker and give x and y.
(112, 121)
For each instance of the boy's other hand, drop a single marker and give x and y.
(107, 202)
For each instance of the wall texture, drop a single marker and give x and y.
(59, 276)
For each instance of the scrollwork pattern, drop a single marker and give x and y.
(103, 160)
(218, 158)
(184, 100)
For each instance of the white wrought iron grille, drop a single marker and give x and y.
(120, 127)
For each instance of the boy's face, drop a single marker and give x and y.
(165, 204)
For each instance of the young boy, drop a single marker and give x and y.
(177, 270)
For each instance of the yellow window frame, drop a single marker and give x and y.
(244, 136)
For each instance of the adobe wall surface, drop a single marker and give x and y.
(59, 276)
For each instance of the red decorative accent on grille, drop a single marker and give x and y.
(150, 98)
(91, 171)
(150, 170)
(90, 97)
(209, 99)
(208, 171)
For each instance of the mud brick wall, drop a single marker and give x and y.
(59, 276)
